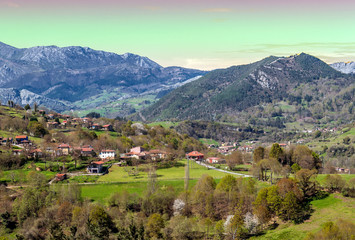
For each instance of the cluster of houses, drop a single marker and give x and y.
(69, 121)
(142, 154)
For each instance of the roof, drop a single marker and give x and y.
(87, 149)
(157, 151)
(64, 146)
(213, 158)
(60, 174)
(36, 150)
(21, 136)
(108, 150)
(107, 125)
(98, 162)
(195, 154)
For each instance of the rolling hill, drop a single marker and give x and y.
(301, 78)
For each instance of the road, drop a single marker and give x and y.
(221, 170)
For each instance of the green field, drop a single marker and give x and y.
(346, 177)
(118, 174)
(101, 192)
(209, 141)
(331, 208)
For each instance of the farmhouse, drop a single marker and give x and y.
(214, 160)
(88, 152)
(195, 155)
(107, 127)
(64, 149)
(36, 153)
(157, 154)
(107, 154)
(95, 167)
(21, 138)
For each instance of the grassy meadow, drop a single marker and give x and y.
(331, 208)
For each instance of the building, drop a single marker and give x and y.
(107, 127)
(156, 154)
(21, 138)
(107, 154)
(36, 153)
(214, 160)
(195, 155)
(17, 152)
(60, 177)
(95, 167)
(88, 152)
(64, 148)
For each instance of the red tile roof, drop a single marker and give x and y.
(21, 136)
(195, 154)
(99, 162)
(87, 149)
(64, 146)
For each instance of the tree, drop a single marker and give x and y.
(295, 168)
(234, 159)
(202, 196)
(154, 226)
(27, 107)
(93, 115)
(305, 158)
(334, 182)
(258, 154)
(306, 180)
(36, 129)
(346, 140)
(276, 151)
(99, 223)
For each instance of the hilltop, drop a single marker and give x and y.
(300, 79)
(81, 78)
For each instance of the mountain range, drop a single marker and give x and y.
(240, 88)
(344, 67)
(80, 78)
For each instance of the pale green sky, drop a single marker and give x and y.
(198, 36)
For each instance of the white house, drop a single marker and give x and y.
(107, 154)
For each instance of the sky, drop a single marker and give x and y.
(202, 34)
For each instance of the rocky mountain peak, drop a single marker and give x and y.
(344, 67)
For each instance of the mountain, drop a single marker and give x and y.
(79, 75)
(239, 88)
(344, 67)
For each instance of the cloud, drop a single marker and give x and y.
(217, 10)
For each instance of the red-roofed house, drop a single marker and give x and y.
(195, 155)
(107, 127)
(157, 154)
(88, 152)
(60, 177)
(64, 149)
(95, 167)
(21, 138)
(214, 160)
(17, 151)
(96, 126)
(36, 153)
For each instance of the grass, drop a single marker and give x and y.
(209, 141)
(332, 208)
(118, 174)
(101, 192)
(346, 177)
